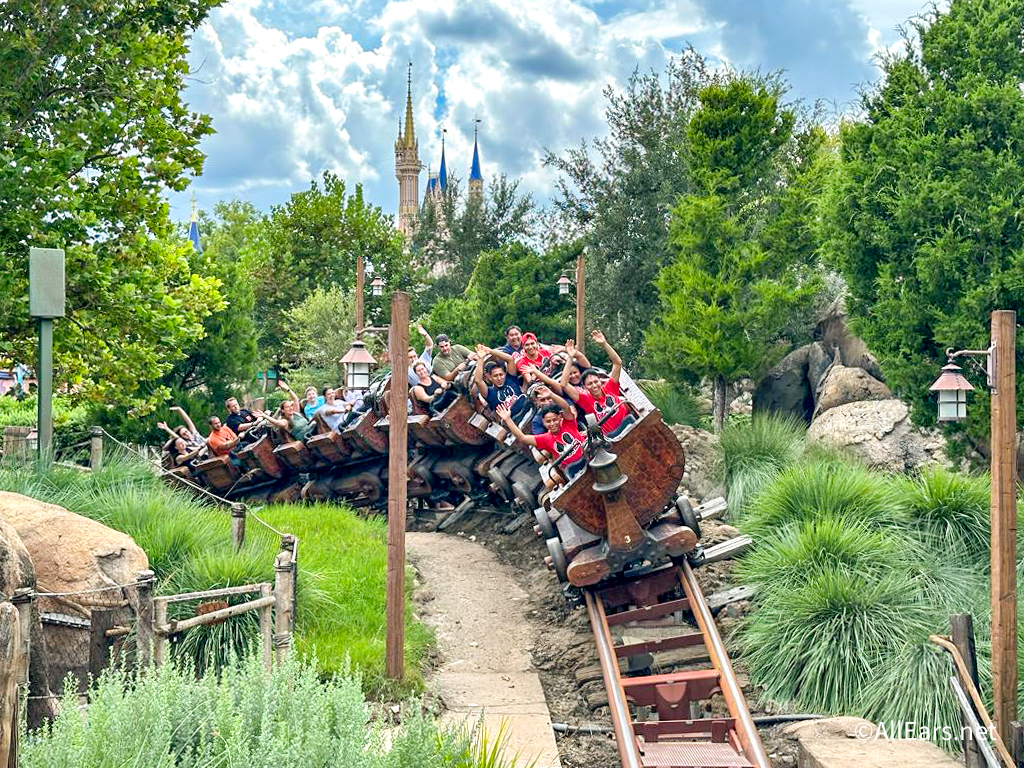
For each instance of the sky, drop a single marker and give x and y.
(297, 87)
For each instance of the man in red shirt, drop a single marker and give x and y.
(561, 436)
(604, 400)
(222, 439)
(533, 352)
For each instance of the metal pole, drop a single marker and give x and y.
(44, 390)
(1003, 512)
(398, 472)
(360, 280)
(581, 328)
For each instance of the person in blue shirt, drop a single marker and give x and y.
(312, 403)
(513, 340)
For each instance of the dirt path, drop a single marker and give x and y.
(485, 638)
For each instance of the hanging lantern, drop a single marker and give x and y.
(563, 285)
(952, 388)
(357, 363)
(377, 286)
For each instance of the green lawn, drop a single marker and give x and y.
(342, 564)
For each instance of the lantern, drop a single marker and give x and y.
(563, 285)
(377, 286)
(357, 363)
(952, 388)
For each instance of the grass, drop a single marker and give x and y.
(678, 405)
(950, 509)
(342, 565)
(245, 716)
(753, 451)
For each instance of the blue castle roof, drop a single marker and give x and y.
(474, 171)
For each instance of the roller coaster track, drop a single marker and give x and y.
(677, 739)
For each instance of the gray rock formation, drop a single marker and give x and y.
(785, 389)
(700, 479)
(879, 432)
(842, 385)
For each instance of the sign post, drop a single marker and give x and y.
(398, 474)
(45, 302)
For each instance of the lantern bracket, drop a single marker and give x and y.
(989, 369)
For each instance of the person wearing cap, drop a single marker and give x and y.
(533, 352)
(450, 359)
(546, 391)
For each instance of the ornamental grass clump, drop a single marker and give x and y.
(754, 451)
(678, 405)
(950, 510)
(823, 487)
(818, 644)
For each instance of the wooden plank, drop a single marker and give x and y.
(962, 635)
(159, 636)
(144, 624)
(727, 549)
(10, 644)
(1003, 513)
(649, 612)
(101, 621)
(284, 579)
(457, 514)
(209, 593)
(173, 627)
(517, 523)
(712, 509)
(398, 470)
(267, 627)
(719, 600)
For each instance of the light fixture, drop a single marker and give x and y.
(563, 285)
(357, 362)
(952, 387)
(377, 286)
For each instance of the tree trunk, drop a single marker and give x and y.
(718, 404)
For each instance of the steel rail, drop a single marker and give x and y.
(753, 749)
(618, 707)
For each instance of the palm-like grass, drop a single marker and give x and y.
(812, 490)
(677, 404)
(804, 550)
(951, 508)
(819, 644)
(767, 440)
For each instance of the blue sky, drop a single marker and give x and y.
(296, 87)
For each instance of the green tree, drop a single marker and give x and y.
(92, 132)
(226, 355)
(618, 191)
(321, 329)
(736, 285)
(452, 232)
(922, 216)
(314, 240)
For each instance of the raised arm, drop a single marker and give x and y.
(282, 423)
(597, 336)
(185, 417)
(561, 402)
(505, 414)
(478, 370)
(295, 398)
(168, 430)
(510, 362)
(554, 386)
(566, 387)
(428, 343)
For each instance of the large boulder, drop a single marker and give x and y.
(880, 432)
(843, 384)
(700, 478)
(72, 554)
(834, 335)
(785, 390)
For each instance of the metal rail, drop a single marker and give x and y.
(677, 739)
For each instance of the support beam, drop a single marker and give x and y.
(1003, 501)
(398, 483)
(581, 299)
(360, 287)
(44, 374)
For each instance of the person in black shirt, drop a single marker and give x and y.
(504, 388)
(241, 420)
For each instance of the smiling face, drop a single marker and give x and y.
(498, 376)
(311, 394)
(514, 337)
(420, 369)
(593, 385)
(574, 376)
(531, 347)
(183, 433)
(552, 421)
(180, 445)
(542, 397)
(288, 408)
(329, 395)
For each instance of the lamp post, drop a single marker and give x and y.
(563, 290)
(952, 386)
(376, 288)
(357, 362)
(45, 302)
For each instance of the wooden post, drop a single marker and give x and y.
(159, 638)
(144, 622)
(1017, 743)
(581, 329)
(962, 634)
(22, 600)
(96, 449)
(284, 586)
(10, 652)
(1003, 513)
(237, 525)
(360, 287)
(267, 626)
(398, 473)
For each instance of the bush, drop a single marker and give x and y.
(70, 422)
(819, 488)
(243, 717)
(678, 405)
(131, 427)
(755, 450)
(949, 509)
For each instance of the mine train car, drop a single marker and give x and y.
(619, 516)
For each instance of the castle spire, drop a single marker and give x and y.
(476, 178)
(442, 175)
(409, 136)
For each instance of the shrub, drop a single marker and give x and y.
(242, 717)
(755, 450)
(678, 405)
(951, 510)
(810, 490)
(70, 422)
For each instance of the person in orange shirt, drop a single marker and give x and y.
(222, 439)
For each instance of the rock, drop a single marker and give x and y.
(831, 727)
(701, 478)
(818, 361)
(785, 389)
(72, 553)
(879, 432)
(842, 385)
(833, 334)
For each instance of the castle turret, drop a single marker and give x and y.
(476, 178)
(407, 168)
